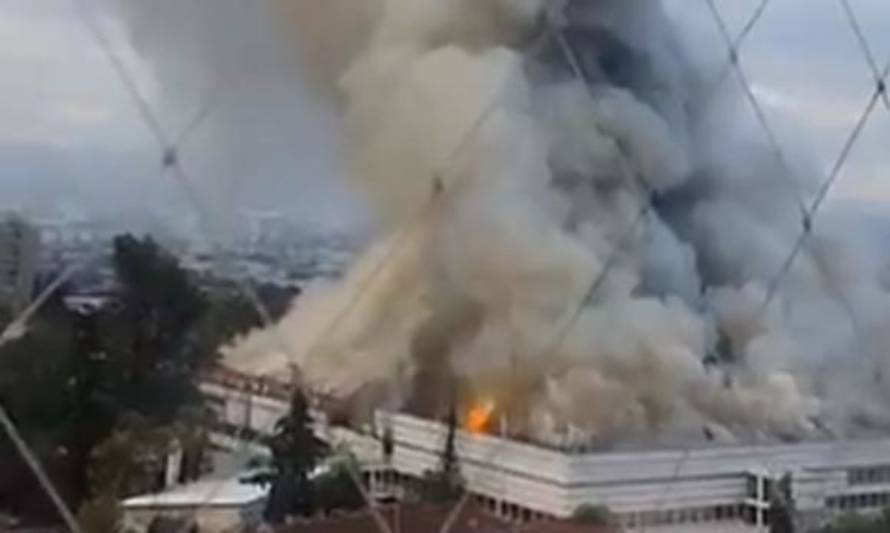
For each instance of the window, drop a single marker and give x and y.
(769, 489)
(869, 476)
(752, 487)
(708, 514)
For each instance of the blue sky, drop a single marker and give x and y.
(70, 137)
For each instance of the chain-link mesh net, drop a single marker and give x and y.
(170, 144)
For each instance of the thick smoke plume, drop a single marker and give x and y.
(510, 186)
(250, 131)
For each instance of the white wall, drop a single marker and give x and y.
(556, 483)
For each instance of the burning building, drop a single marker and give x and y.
(581, 236)
(584, 248)
(710, 488)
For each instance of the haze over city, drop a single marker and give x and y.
(72, 142)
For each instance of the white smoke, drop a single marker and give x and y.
(507, 185)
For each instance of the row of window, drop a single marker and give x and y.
(722, 513)
(851, 502)
(764, 489)
(511, 511)
(719, 513)
(387, 477)
(384, 480)
(869, 476)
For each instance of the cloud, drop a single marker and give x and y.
(60, 91)
(263, 143)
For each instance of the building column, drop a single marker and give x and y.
(758, 510)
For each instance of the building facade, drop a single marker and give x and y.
(205, 506)
(714, 489)
(718, 488)
(19, 255)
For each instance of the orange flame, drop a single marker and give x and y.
(479, 417)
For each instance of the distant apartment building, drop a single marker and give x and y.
(19, 254)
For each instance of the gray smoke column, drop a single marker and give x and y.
(507, 184)
(264, 142)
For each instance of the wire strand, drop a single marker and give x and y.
(813, 211)
(33, 463)
(866, 49)
(404, 237)
(90, 22)
(808, 213)
(171, 160)
(759, 113)
(576, 311)
(18, 325)
(210, 228)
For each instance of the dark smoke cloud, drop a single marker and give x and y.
(677, 338)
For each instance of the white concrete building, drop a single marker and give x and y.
(707, 485)
(714, 489)
(19, 254)
(210, 505)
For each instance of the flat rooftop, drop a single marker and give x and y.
(230, 492)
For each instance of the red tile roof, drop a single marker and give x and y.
(565, 527)
(424, 518)
(404, 519)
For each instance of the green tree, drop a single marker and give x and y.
(230, 312)
(855, 523)
(446, 484)
(191, 431)
(594, 515)
(140, 366)
(335, 489)
(131, 461)
(37, 390)
(74, 381)
(101, 515)
(782, 507)
(5, 317)
(295, 452)
(149, 331)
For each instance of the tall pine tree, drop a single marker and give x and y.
(446, 484)
(295, 452)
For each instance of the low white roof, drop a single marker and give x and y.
(207, 493)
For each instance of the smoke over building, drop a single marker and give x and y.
(580, 235)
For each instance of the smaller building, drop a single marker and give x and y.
(19, 255)
(216, 506)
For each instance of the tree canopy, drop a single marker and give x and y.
(855, 523)
(100, 394)
(295, 452)
(445, 484)
(594, 515)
